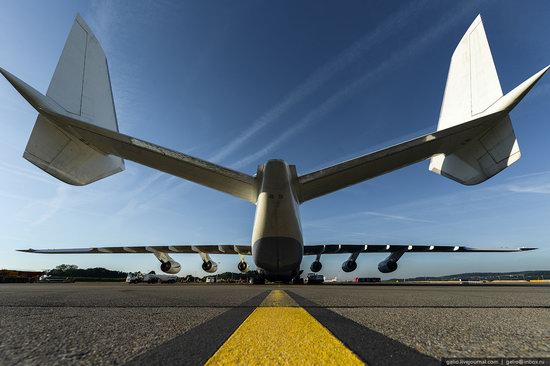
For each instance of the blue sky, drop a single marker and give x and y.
(311, 82)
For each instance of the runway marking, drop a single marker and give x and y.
(278, 298)
(280, 332)
(373, 347)
(195, 346)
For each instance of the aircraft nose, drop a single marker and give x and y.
(277, 254)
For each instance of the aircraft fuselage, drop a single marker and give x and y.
(277, 243)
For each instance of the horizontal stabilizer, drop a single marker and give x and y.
(112, 144)
(80, 146)
(474, 140)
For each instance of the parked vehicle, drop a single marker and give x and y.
(134, 277)
(314, 279)
(152, 277)
(211, 279)
(59, 279)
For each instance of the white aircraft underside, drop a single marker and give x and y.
(76, 140)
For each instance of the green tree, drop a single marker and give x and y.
(66, 267)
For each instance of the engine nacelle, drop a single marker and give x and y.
(243, 266)
(387, 266)
(171, 267)
(209, 266)
(316, 266)
(349, 266)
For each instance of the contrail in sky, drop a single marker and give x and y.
(351, 89)
(324, 74)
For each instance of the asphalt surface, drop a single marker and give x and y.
(112, 324)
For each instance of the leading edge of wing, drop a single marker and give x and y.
(184, 249)
(389, 248)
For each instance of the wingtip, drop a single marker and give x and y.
(525, 249)
(36, 99)
(4, 72)
(30, 250)
(510, 100)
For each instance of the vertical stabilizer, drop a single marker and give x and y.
(472, 83)
(472, 87)
(80, 85)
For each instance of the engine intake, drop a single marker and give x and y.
(349, 266)
(243, 266)
(387, 266)
(316, 266)
(209, 266)
(390, 263)
(171, 267)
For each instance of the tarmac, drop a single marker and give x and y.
(117, 324)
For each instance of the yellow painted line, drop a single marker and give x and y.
(278, 298)
(279, 332)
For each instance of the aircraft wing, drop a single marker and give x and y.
(208, 249)
(391, 248)
(104, 141)
(247, 249)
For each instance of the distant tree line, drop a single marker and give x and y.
(232, 276)
(71, 270)
(488, 276)
(98, 273)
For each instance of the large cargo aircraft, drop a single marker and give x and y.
(76, 139)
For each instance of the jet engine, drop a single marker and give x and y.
(349, 266)
(390, 263)
(209, 266)
(316, 266)
(167, 264)
(387, 266)
(243, 266)
(171, 267)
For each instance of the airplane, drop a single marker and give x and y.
(76, 139)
